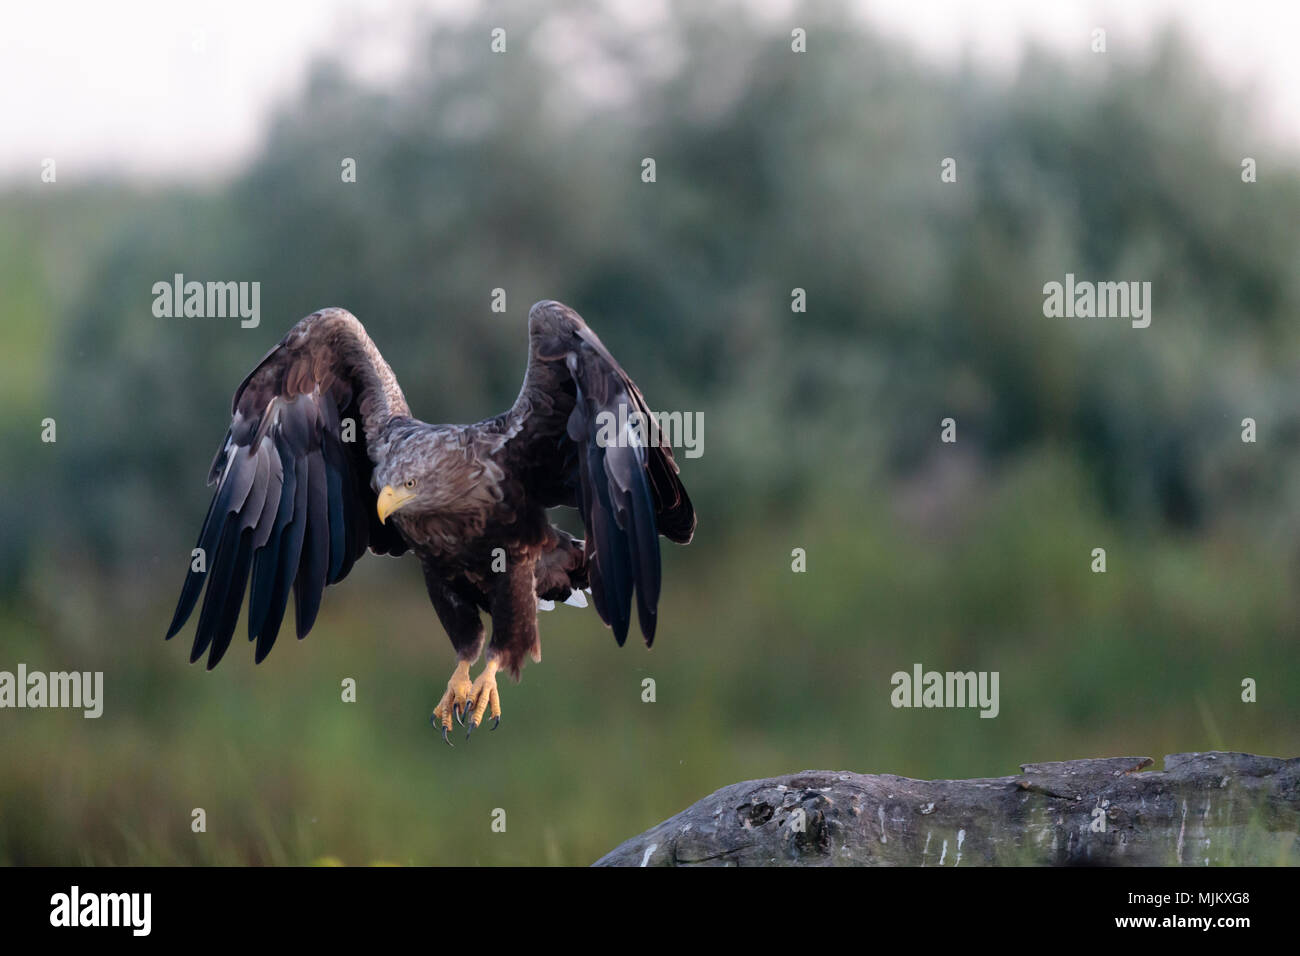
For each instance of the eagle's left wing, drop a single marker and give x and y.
(627, 490)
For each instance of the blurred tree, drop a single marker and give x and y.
(775, 170)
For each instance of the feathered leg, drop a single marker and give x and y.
(460, 618)
(514, 636)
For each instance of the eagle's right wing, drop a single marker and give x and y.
(293, 507)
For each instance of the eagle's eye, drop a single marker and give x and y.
(410, 482)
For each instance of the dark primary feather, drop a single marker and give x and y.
(627, 494)
(293, 508)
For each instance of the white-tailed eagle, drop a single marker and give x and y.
(324, 460)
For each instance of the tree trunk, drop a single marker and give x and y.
(1203, 808)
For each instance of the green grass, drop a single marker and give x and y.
(758, 670)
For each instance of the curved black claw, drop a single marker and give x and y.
(445, 739)
(455, 709)
(496, 722)
(469, 728)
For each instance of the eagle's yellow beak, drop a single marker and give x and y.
(390, 500)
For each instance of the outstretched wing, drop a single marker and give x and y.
(293, 507)
(577, 443)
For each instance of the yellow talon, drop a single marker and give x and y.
(457, 697)
(484, 695)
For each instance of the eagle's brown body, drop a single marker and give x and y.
(300, 497)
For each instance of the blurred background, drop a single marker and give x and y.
(219, 158)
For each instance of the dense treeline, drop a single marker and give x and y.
(774, 170)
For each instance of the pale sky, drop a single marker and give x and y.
(181, 90)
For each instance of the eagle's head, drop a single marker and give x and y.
(393, 497)
(405, 478)
(430, 470)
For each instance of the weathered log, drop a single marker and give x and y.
(1202, 809)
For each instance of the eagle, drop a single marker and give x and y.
(323, 460)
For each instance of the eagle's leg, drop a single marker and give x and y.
(453, 601)
(561, 567)
(484, 694)
(456, 700)
(514, 635)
